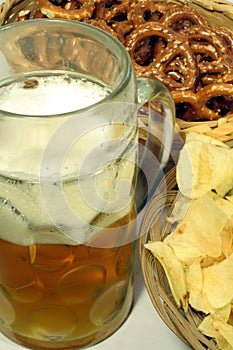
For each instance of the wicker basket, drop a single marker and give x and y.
(156, 228)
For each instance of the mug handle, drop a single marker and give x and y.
(155, 154)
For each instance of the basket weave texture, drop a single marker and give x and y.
(155, 227)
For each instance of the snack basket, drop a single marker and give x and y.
(155, 227)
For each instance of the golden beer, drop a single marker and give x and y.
(65, 296)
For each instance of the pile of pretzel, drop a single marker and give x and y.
(166, 41)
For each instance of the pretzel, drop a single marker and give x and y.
(22, 11)
(102, 25)
(227, 36)
(72, 9)
(209, 93)
(116, 16)
(149, 11)
(117, 12)
(209, 103)
(122, 29)
(206, 38)
(186, 105)
(226, 78)
(181, 17)
(156, 62)
(209, 78)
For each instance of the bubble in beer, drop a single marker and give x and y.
(124, 261)
(7, 314)
(44, 322)
(70, 286)
(27, 294)
(15, 260)
(107, 304)
(46, 259)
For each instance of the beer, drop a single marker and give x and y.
(64, 296)
(63, 286)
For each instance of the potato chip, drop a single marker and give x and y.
(193, 276)
(194, 282)
(222, 169)
(227, 240)
(206, 326)
(225, 205)
(230, 197)
(227, 233)
(225, 330)
(198, 234)
(179, 210)
(222, 343)
(218, 283)
(200, 302)
(173, 269)
(218, 329)
(204, 166)
(195, 136)
(193, 179)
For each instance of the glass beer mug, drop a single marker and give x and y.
(68, 173)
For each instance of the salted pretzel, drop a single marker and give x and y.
(117, 11)
(122, 29)
(24, 10)
(226, 78)
(72, 9)
(157, 61)
(209, 103)
(178, 19)
(178, 78)
(102, 25)
(149, 11)
(112, 10)
(204, 40)
(227, 36)
(116, 15)
(186, 104)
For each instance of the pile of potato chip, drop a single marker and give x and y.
(197, 256)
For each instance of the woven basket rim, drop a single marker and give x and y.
(156, 228)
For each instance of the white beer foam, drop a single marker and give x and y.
(50, 95)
